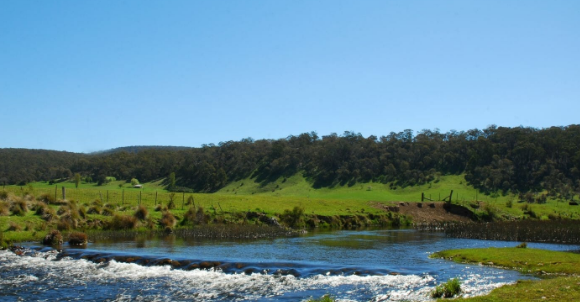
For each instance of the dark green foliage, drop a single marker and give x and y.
(448, 289)
(495, 159)
(171, 203)
(293, 218)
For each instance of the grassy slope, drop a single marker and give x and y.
(529, 261)
(284, 194)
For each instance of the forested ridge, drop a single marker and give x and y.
(495, 159)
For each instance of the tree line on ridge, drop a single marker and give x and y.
(495, 159)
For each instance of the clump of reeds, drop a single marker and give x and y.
(66, 222)
(448, 289)
(167, 220)
(160, 208)
(95, 209)
(14, 227)
(47, 198)
(4, 208)
(123, 222)
(108, 212)
(19, 207)
(171, 205)
(78, 238)
(141, 213)
(53, 238)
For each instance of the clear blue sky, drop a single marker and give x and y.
(84, 76)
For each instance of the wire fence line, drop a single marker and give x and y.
(117, 197)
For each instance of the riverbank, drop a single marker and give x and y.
(558, 270)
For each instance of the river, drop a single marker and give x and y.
(371, 265)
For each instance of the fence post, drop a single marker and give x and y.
(155, 197)
(123, 196)
(422, 196)
(55, 192)
(140, 197)
(63, 193)
(182, 201)
(107, 196)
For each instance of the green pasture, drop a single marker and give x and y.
(286, 193)
(559, 270)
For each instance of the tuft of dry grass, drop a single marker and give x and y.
(19, 207)
(141, 213)
(14, 227)
(167, 220)
(53, 238)
(78, 238)
(4, 208)
(123, 223)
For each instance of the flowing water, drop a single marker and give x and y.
(377, 265)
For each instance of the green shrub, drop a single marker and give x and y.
(509, 203)
(171, 205)
(293, 218)
(522, 245)
(325, 298)
(448, 289)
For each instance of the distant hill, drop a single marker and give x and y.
(494, 160)
(137, 149)
(26, 165)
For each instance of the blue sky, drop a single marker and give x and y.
(84, 76)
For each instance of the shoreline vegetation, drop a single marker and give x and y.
(559, 272)
(30, 212)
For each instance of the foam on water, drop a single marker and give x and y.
(40, 276)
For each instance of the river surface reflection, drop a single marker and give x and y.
(370, 265)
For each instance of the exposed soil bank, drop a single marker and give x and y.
(428, 212)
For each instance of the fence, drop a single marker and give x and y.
(116, 197)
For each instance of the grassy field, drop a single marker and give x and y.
(286, 193)
(563, 285)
